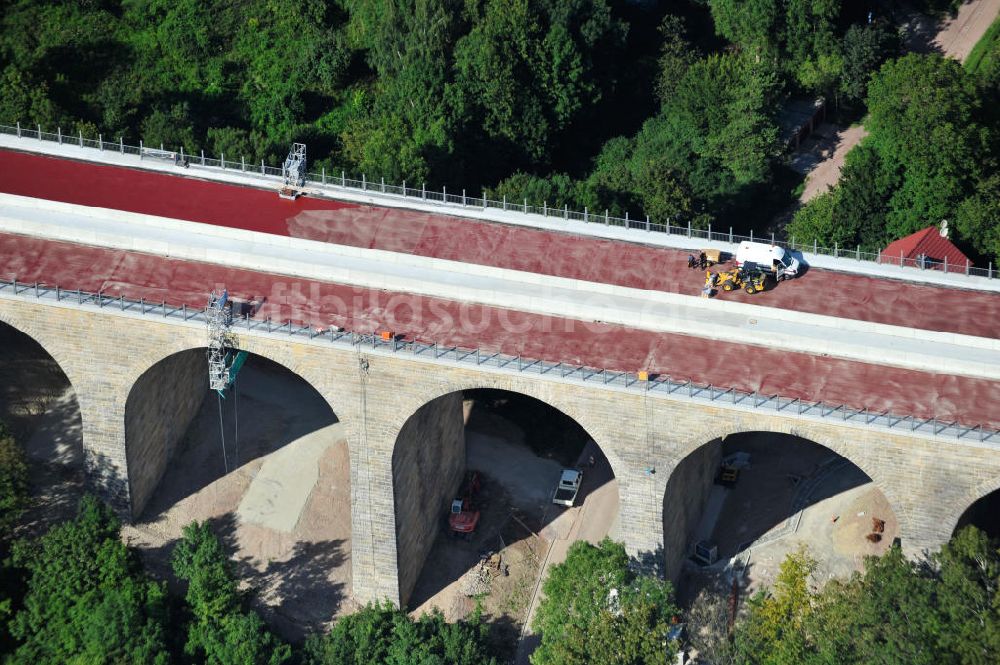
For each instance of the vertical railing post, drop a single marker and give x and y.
(585, 214)
(545, 208)
(966, 267)
(100, 142)
(18, 129)
(222, 160)
(463, 195)
(647, 222)
(382, 180)
(565, 211)
(946, 264)
(364, 182)
(607, 219)
(59, 134)
(504, 201)
(751, 235)
(730, 235)
(444, 194)
(262, 171)
(689, 228)
(343, 179)
(39, 132)
(80, 131)
(423, 191)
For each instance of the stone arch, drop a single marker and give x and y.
(49, 343)
(563, 404)
(42, 407)
(280, 352)
(417, 414)
(281, 503)
(729, 426)
(146, 466)
(974, 495)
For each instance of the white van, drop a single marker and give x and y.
(768, 257)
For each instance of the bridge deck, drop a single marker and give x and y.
(440, 236)
(809, 377)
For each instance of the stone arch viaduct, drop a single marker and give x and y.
(398, 429)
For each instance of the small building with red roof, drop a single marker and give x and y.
(928, 248)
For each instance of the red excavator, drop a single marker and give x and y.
(464, 517)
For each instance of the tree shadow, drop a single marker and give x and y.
(919, 24)
(782, 476)
(40, 409)
(295, 596)
(268, 408)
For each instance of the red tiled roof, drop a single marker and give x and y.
(928, 242)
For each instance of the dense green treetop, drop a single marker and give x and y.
(220, 632)
(597, 610)
(897, 612)
(385, 635)
(88, 601)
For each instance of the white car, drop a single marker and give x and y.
(569, 485)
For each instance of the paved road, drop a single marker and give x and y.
(954, 36)
(566, 255)
(731, 364)
(495, 287)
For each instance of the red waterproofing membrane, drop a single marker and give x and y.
(563, 254)
(745, 367)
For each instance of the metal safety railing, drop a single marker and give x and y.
(333, 181)
(632, 381)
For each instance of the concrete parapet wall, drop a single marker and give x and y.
(928, 481)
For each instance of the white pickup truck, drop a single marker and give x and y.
(569, 485)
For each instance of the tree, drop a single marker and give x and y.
(813, 223)
(676, 55)
(866, 187)
(968, 597)
(87, 599)
(221, 632)
(722, 117)
(896, 612)
(752, 24)
(597, 610)
(773, 631)
(811, 42)
(865, 48)
(14, 499)
(527, 68)
(385, 635)
(405, 128)
(13, 484)
(924, 120)
(978, 218)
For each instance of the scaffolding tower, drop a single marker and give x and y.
(219, 317)
(293, 171)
